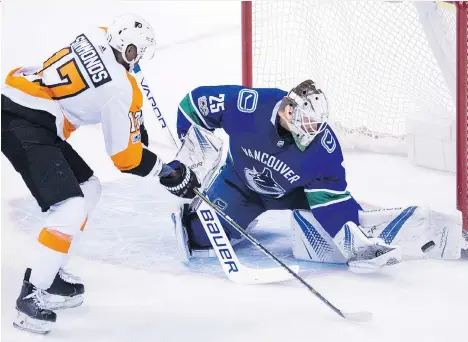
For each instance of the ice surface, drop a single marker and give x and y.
(136, 288)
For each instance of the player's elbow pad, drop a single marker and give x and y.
(150, 165)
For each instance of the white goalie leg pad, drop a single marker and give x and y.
(183, 249)
(350, 245)
(419, 231)
(310, 240)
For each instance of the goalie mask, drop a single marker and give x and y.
(128, 30)
(308, 113)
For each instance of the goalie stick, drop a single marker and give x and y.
(249, 276)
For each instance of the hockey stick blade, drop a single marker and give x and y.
(227, 257)
(362, 316)
(258, 276)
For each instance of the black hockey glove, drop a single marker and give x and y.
(144, 135)
(181, 180)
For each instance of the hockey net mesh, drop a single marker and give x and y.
(463, 202)
(373, 60)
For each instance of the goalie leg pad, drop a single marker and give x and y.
(420, 231)
(350, 245)
(310, 240)
(181, 235)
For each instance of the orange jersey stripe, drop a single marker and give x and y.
(130, 158)
(55, 240)
(84, 224)
(28, 87)
(68, 128)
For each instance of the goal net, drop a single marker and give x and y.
(379, 63)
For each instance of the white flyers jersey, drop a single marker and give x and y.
(84, 84)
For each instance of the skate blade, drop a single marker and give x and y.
(36, 326)
(55, 302)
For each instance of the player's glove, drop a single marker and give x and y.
(144, 135)
(180, 181)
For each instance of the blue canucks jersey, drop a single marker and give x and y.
(270, 163)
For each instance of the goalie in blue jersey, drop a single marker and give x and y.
(283, 155)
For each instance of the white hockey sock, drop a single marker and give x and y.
(63, 222)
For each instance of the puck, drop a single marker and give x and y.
(428, 246)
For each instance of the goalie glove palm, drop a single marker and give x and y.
(181, 181)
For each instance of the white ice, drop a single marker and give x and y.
(136, 289)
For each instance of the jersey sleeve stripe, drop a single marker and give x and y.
(324, 198)
(68, 128)
(26, 86)
(186, 108)
(131, 157)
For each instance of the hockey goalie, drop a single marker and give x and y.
(283, 155)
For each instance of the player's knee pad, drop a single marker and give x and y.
(64, 220)
(92, 192)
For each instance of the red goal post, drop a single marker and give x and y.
(273, 30)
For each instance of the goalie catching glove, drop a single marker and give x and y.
(179, 180)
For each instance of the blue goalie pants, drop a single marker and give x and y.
(240, 203)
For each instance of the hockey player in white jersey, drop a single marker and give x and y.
(86, 82)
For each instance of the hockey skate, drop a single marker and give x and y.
(65, 292)
(32, 314)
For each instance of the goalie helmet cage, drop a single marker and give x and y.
(379, 62)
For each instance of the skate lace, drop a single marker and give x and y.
(39, 297)
(68, 276)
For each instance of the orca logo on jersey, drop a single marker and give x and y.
(91, 60)
(263, 182)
